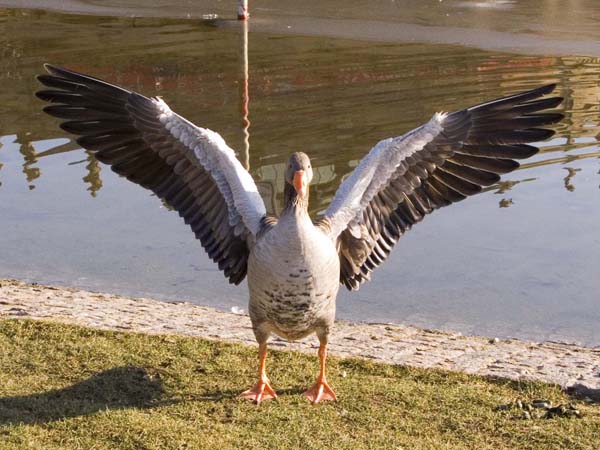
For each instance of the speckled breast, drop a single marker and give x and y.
(293, 278)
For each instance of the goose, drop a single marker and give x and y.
(294, 264)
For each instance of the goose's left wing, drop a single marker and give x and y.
(449, 158)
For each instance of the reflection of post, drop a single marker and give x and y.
(29, 159)
(93, 175)
(569, 186)
(244, 96)
(242, 10)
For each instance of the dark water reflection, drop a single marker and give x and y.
(522, 259)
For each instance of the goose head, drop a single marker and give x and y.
(298, 175)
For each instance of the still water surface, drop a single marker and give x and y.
(521, 259)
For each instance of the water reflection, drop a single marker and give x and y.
(270, 177)
(576, 140)
(318, 106)
(331, 98)
(244, 96)
(29, 158)
(569, 186)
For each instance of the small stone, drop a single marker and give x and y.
(519, 404)
(572, 411)
(17, 312)
(494, 340)
(344, 374)
(526, 415)
(237, 310)
(542, 404)
(559, 411)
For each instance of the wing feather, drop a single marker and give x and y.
(448, 159)
(190, 168)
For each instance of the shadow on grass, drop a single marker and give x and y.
(118, 388)
(580, 391)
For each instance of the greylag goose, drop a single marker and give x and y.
(295, 264)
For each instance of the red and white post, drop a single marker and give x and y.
(242, 10)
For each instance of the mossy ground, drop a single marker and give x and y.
(66, 387)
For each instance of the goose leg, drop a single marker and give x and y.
(261, 390)
(321, 391)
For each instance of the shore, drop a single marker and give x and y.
(572, 367)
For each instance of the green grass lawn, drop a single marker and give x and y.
(65, 387)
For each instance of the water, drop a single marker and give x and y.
(521, 259)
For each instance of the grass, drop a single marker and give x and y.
(66, 387)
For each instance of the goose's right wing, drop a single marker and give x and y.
(191, 168)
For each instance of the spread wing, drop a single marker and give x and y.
(191, 168)
(446, 160)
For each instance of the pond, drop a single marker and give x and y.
(521, 259)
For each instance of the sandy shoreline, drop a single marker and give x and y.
(568, 365)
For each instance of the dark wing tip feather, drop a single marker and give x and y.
(542, 133)
(61, 72)
(552, 102)
(552, 117)
(515, 99)
(61, 75)
(544, 90)
(46, 95)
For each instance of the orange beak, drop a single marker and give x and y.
(300, 183)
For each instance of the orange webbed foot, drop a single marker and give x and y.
(259, 392)
(320, 391)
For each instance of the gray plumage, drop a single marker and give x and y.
(293, 273)
(294, 265)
